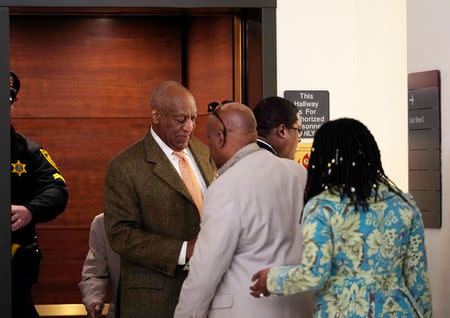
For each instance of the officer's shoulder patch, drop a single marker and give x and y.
(49, 159)
(58, 176)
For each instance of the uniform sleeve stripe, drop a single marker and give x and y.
(58, 176)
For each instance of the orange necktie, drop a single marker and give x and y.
(190, 180)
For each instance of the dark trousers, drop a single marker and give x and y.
(25, 270)
(22, 302)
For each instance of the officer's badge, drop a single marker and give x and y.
(49, 159)
(18, 168)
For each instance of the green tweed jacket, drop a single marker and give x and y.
(148, 214)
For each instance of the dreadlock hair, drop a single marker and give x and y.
(272, 112)
(345, 160)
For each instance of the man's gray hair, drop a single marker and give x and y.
(158, 99)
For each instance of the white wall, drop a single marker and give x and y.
(357, 50)
(429, 49)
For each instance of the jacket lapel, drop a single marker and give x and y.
(163, 168)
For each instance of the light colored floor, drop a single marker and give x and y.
(65, 310)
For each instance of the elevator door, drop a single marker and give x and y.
(86, 82)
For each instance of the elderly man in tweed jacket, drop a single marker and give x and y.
(151, 217)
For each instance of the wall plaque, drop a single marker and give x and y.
(424, 144)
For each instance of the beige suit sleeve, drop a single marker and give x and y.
(212, 257)
(95, 275)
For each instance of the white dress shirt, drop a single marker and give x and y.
(174, 160)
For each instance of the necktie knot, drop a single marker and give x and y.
(179, 154)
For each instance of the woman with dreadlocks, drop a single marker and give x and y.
(364, 252)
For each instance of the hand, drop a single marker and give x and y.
(260, 288)
(94, 310)
(20, 217)
(190, 248)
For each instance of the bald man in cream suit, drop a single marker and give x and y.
(250, 221)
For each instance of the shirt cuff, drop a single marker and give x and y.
(182, 257)
(276, 278)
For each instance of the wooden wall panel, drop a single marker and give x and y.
(210, 60)
(81, 149)
(90, 66)
(64, 252)
(200, 128)
(254, 82)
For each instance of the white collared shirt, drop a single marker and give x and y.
(174, 160)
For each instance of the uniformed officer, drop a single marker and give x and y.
(38, 194)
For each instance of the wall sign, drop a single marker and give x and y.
(424, 144)
(314, 107)
(303, 153)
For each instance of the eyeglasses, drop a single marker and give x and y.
(299, 131)
(212, 109)
(213, 105)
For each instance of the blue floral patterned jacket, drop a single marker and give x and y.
(360, 263)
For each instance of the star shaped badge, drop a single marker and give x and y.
(18, 168)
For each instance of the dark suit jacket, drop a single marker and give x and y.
(148, 214)
(263, 145)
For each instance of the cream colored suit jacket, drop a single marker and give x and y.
(250, 221)
(100, 269)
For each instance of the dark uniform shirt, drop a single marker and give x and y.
(37, 184)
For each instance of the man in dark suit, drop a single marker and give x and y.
(279, 126)
(153, 198)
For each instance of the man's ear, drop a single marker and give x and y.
(220, 139)
(154, 115)
(281, 131)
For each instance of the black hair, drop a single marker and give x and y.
(272, 112)
(345, 159)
